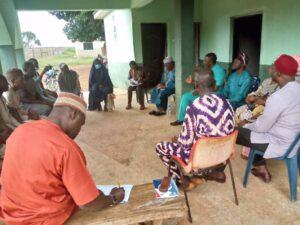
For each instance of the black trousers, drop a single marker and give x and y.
(245, 140)
(140, 92)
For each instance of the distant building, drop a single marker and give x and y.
(90, 49)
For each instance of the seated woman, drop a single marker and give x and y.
(256, 101)
(208, 116)
(100, 85)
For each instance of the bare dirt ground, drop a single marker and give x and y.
(83, 71)
(120, 147)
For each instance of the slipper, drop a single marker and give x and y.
(265, 177)
(159, 114)
(152, 112)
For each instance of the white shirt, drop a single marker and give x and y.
(280, 122)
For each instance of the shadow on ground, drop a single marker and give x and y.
(120, 147)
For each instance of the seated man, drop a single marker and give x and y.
(276, 129)
(239, 82)
(135, 84)
(47, 94)
(16, 82)
(30, 97)
(187, 98)
(68, 80)
(32, 73)
(8, 119)
(219, 72)
(43, 181)
(202, 120)
(256, 101)
(160, 94)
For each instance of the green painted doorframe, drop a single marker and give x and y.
(184, 42)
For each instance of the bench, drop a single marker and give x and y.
(142, 207)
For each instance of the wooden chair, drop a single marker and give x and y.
(207, 154)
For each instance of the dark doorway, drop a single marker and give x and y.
(197, 28)
(154, 45)
(247, 38)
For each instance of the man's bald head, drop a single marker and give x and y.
(204, 80)
(69, 119)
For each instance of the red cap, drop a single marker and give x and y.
(287, 65)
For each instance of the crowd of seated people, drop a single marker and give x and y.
(48, 173)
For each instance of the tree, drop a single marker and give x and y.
(30, 40)
(81, 25)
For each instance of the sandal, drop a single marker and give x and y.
(152, 112)
(159, 114)
(265, 177)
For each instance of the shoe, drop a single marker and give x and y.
(142, 107)
(159, 113)
(217, 176)
(176, 123)
(128, 107)
(152, 112)
(265, 177)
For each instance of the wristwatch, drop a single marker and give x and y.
(113, 199)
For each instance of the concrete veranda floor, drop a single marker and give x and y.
(120, 147)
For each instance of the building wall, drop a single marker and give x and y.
(98, 48)
(119, 45)
(159, 11)
(280, 28)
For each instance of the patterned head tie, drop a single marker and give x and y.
(71, 100)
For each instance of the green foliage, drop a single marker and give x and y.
(81, 25)
(30, 40)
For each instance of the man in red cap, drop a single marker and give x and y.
(274, 131)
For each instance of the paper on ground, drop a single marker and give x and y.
(106, 189)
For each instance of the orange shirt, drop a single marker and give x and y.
(44, 176)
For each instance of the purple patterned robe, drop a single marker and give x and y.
(208, 116)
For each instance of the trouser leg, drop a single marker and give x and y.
(141, 95)
(165, 152)
(129, 91)
(186, 100)
(244, 139)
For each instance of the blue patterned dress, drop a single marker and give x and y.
(208, 116)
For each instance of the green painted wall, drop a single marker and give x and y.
(280, 30)
(159, 11)
(119, 44)
(11, 46)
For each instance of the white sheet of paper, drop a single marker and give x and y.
(106, 189)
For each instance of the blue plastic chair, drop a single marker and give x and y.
(293, 166)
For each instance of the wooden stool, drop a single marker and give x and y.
(142, 207)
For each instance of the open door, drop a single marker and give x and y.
(154, 45)
(247, 38)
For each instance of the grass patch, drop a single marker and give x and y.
(68, 56)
